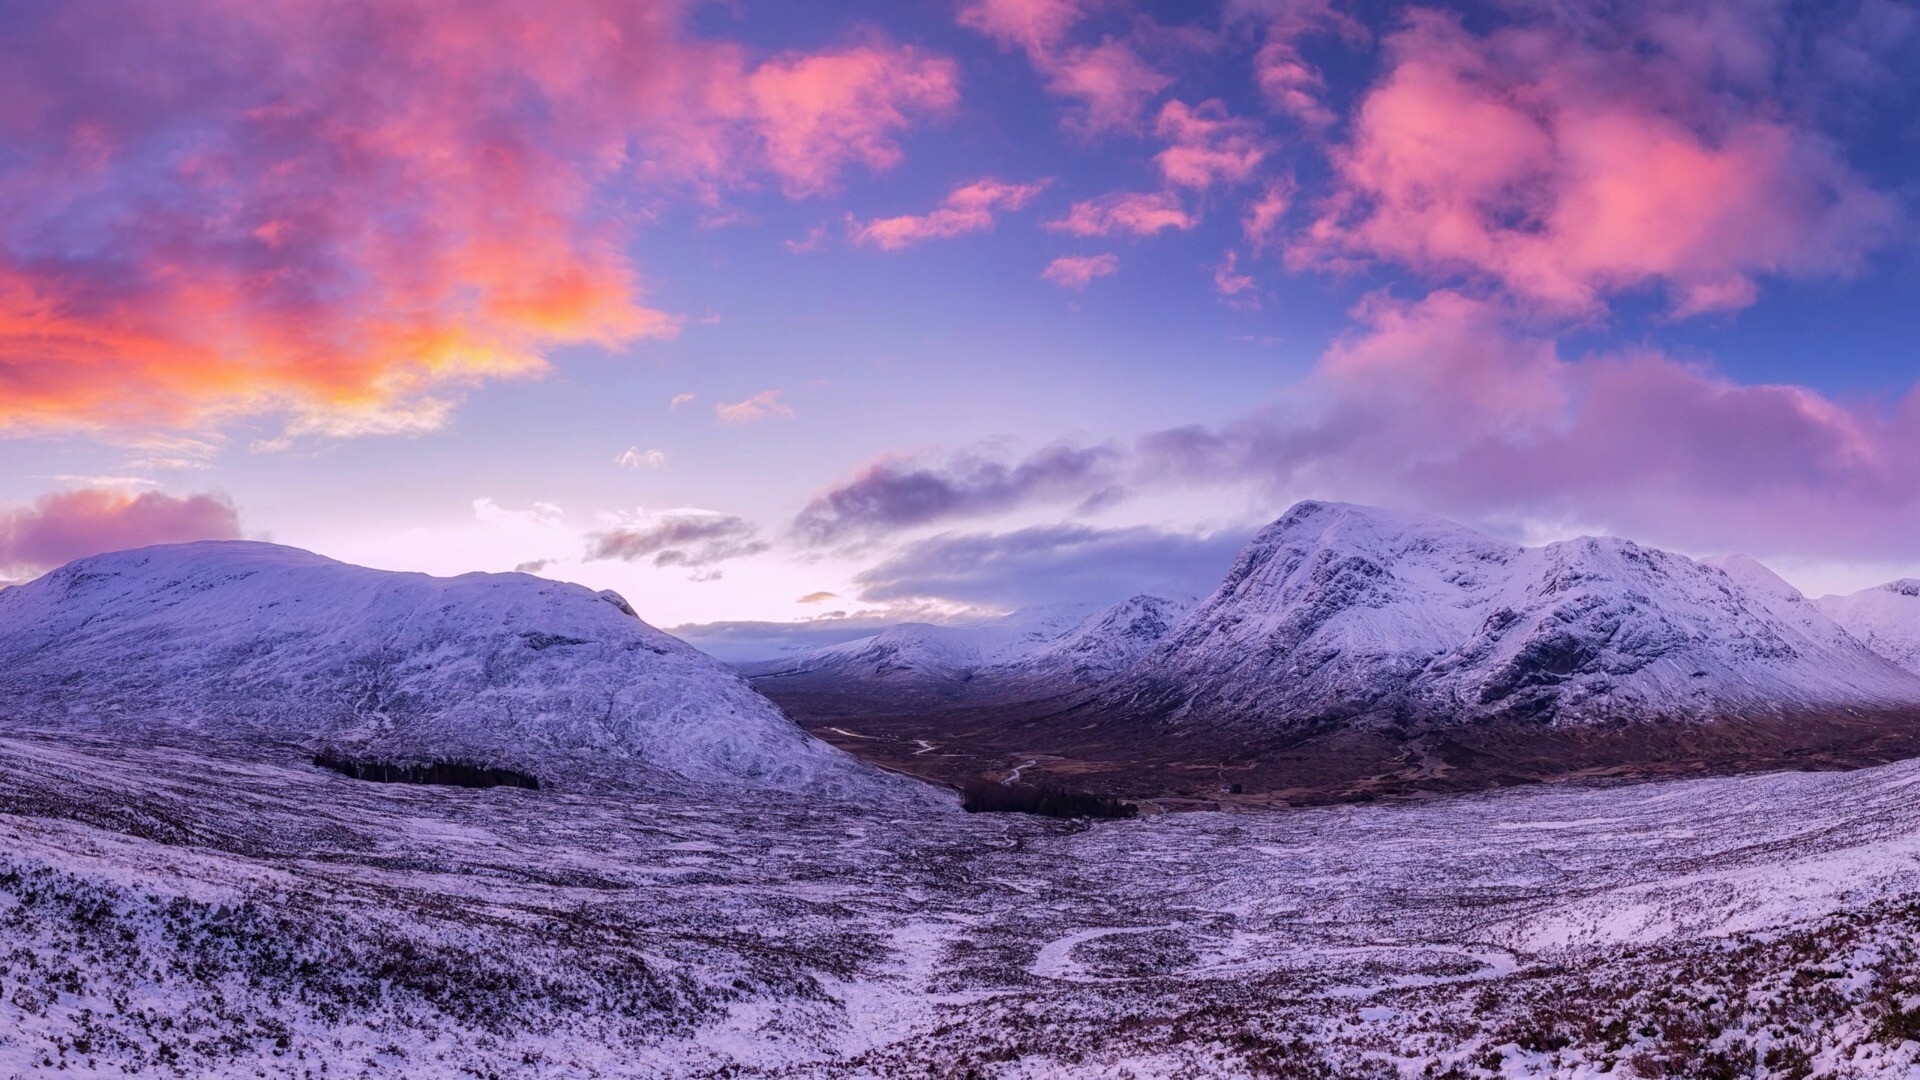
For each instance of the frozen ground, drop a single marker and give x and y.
(169, 911)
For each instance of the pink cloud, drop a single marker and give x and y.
(1137, 213)
(1567, 171)
(1039, 27)
(968, 208)
(1235, 288)
(681, 399)
(818, 113)
(765, 405)
(1261, 225)
(1108, 82)
(346, 210)
(1076, 271)
(1207, 146)
(1289, 83)
(1447, 404)
(68, 525)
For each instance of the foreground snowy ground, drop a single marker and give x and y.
(172, 913)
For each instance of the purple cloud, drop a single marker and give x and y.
(894, 494)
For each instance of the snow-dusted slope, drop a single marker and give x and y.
(1886, 618)
(262, 641)
(1062, 641)
(1107, 642)
(1337, 611)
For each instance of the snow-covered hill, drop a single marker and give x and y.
(268, 642)
(1066, 642)
(1886, 618)
(1339, 612)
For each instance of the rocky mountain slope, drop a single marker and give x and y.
(1340, 613)
(1885, 618)
(261, 642)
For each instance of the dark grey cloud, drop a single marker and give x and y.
(1053, 564)
(693, 540)
(898, 494)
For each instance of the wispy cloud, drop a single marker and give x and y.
(635, 458)
(1206, 146)
(765, 405)
(690, 538)
(1129, 212)
(899, 493)
(1076, 271)
(968, 208)
(1108, 82)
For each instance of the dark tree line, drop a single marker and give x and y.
(989, 797)
(447, 773)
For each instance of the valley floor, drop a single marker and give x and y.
(1060, 741)
(171, 912)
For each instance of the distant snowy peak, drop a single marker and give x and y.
(1886, 618)
(1065, 640)
(260, 641)
(937, 651)
(1340, 612)
(1109, 641)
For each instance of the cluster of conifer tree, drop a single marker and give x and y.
(991, 797)
(449, 773)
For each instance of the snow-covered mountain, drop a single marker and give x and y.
(267, 642)
(1886, 618)
(1064, 641)
(1107, 642)
(1338, 612)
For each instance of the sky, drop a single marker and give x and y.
(787, 320)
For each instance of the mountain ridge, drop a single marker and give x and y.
(240, 639)
(1343, 613)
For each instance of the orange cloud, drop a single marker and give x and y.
(1076, 271)
(68, 525)
(1138, 213)
(968, 208)
(1566, 172)
(347, 212)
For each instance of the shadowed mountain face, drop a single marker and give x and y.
(256, 642)
(1353, 650)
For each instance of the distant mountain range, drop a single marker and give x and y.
(1039, 649)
